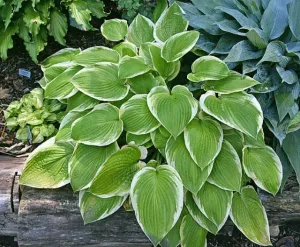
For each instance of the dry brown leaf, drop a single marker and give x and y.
(4, 93)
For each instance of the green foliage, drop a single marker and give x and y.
(258, 38)
(152, 140)
(33, 117)
(33, 20)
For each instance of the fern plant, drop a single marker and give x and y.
(34, 20)
(184, 163)
(262, 39)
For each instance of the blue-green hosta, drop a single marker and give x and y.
(260, 38)
(33, 20)
(128, 134)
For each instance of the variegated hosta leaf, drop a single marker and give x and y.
(47, 167)
(198, 216)
(101, 82)
(193, 177)
(203, 139)
(263, 165)
(81, 102)
(191, 233)
(64, 55)
(79, 10)
(172, 19)
(58, 26)
(115, 175)
(160, 137)
(137, 117)
(259, 142)
(208, 68)
(61, 87)
(250, 217)
(50, 73)
(178, 45)
(138, 139)
(114, 29)
(227, 109)
(236, 139)
(95, 208)
(227, 169)
(157, 199)
(140, 31)
(132, 66)
(214, 203)
(142, 84)
(126, 49)
(101, 127)
(97, 54)
(173, 110)
(85, 163)
(235, 82)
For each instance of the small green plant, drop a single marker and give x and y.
(33, 20)
(185, 164)
(262, 39)
(33, 117)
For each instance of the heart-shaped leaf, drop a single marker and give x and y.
(137, 117)
(114, 29)
(193, 177)
(236, 139)
(115, 175)
(173, 110)
(95, 208)
(160, 137)
(142, 84)
(132, 66)
(178, 45)
(250, 217)
(203, 139)
(101, 82)
(81, 102)
(101, 127)
(208, 68)
(227, 109)
(263, 165)
(214, 203)
(157, 199)
(88, 156)
(126, 49)
(227, 169)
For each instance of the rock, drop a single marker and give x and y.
(285, 242)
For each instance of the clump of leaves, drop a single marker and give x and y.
(33, 20)
(262, 39)
(183, 163)
(33, 117)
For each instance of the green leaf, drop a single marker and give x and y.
(140, 31)
(294, 124)
(177, 155)
(284, 99)
(58, 26)
(97, 8)
(198, 216)
(132, 66)
(178, 45)
(172, 19)
(208, 68)
(97, 54)
(80, 12)
(159, 137)
(203, 139)
(288, 76)
(100, 127)
(6, 41)
(191, 233)
(214, 203)
(115, 175)
(152, 191)
(47, 167)
(173, 110)
(142, 84)
(81, 102)
(126, 49)
(227, 169)
(258, 142)
(294, 17)
(257, 38)
(101, 82)
(137, 117)
(33, 20)
(91, 157)
(60, 87)
(247, 119)
(160, 7)
(249, 215)
(230, 26)
(95, 208)
(138, 139)
(64, 55)
(114, 29)
(235, 82)
(264, 167)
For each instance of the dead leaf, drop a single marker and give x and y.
(4, 93)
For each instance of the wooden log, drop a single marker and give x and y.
(9, 194)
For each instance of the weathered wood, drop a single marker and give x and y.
(9, 194)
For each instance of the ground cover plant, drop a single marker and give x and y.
(259, 38)
(33, 117)
(184, 163)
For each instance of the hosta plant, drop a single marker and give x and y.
(184, 164)
(33, 20)
(262, 39)
(33, 117)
